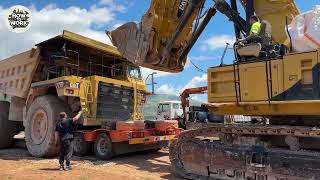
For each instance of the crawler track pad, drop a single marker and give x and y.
(200, 159)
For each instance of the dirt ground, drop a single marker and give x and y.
(16, 163)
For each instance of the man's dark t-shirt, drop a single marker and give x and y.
(64, 128)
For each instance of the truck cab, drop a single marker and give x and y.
(169, 110)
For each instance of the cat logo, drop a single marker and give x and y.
(182, 7)
(67, 84)
(75, 85)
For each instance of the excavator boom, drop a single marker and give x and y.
(169, 29)
(162, 35)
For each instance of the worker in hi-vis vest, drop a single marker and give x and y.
(254, 31)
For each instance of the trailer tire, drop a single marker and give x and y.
(103, 147)
(80, 146)
(40, 125)
(7, 128)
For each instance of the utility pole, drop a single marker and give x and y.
(224, 54)
(152, 81)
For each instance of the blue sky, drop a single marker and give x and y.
(131, 10)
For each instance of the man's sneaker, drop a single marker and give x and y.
(68, 168)
(61, 168)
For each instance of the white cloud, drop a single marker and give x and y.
(196, 82)
(217, 42)
(106, 2)
(200, 97)
(146, 71)
(167, 89)
(113, 4)
(50, 21)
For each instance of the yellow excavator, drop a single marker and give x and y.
(268, 78)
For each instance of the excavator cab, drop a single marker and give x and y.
(259, 47)
(262, 48)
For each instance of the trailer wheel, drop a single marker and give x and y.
(40, 126)
(80, 146)
(7, 128)
(103, 147)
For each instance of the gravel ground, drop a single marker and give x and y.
(16, 163)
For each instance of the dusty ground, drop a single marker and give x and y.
(16, 163)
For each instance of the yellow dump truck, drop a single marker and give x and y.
(69, 73)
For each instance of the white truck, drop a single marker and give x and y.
(169, 110)
(195, 116)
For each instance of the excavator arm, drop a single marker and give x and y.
(169, 29)
(186, 94)
(161, 37)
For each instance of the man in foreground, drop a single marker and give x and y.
(64, 134)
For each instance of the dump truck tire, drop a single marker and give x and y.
(80, 146)
(7, 128)
(40, 126)
(103, 147)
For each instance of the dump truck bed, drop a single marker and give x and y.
(17, 71)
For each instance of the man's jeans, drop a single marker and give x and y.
(66, 150)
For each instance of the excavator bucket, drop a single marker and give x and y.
(161, 37)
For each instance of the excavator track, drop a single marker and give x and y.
(257, 152)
